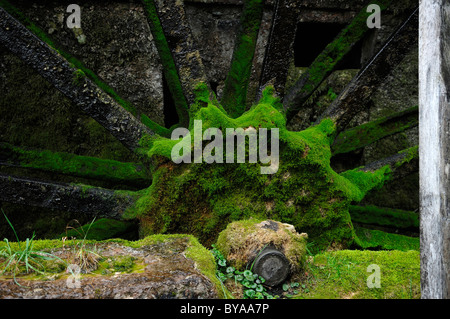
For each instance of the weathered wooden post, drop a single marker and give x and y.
(434, 149)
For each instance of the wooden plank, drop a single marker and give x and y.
(74, 165)
(434, 150)
(92, 201)
(279, 48)
(366, 134)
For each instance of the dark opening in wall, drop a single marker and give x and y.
(343, 162)
(312, 38)
(170, 112)
(214, 86)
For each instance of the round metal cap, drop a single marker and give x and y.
(272, 265)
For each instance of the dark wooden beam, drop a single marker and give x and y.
(74, 165)
(92, 201)
(366, 134)
(279, 49)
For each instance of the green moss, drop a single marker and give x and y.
(155, 127)
(344, 275)
(78, 75)
(362, 182)
(76, 165)
(236, 83)
(375, 239)
(123, 263)
(169, 68)
(201, 199)
(384, 216)
(411, 153)
(205, 263)
(371, 132)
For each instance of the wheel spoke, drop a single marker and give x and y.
(401, 164)
(178, 50)
(236, 84)
(366, 134)
(92, 201)
(279, 49)
(74, 165)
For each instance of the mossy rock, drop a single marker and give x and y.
(242, 241)
(159, 266)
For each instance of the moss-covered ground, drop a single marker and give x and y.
(339, 274)
(345, 275)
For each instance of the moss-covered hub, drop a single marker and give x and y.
(202, 198)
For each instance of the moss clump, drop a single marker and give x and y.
(411, 153)
(78, 76)
(117, 264)
(201, 199)
(241, 242)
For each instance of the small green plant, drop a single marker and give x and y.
(18, 256)
(252, 283)
(78, 76)
(292, 289)
(331, 95)
(86, 259)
